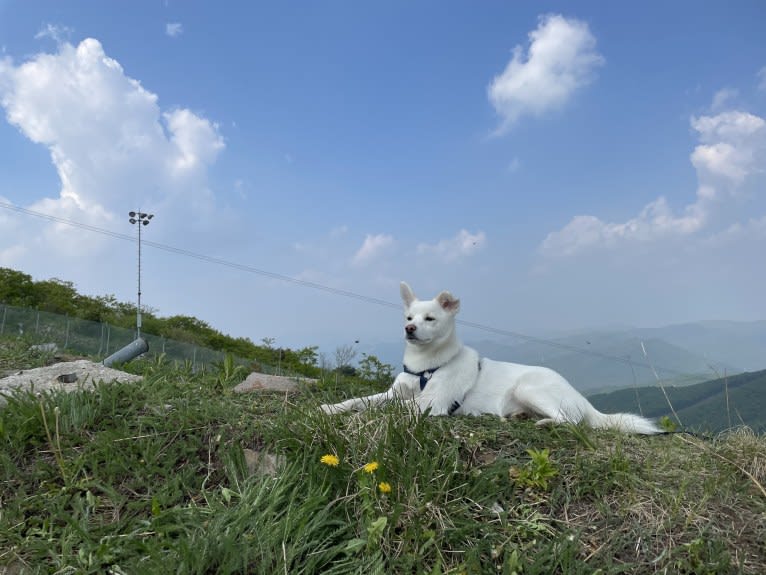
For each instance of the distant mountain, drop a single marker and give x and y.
(604, 359)
(710, 406)
(599, 361)
(736, 343)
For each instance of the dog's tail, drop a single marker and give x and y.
(625, 422)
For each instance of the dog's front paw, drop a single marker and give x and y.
(330, 408)
(438, 408)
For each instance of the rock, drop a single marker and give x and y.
(45, 348)
(66, 375)
(261, 381)
(262, 463)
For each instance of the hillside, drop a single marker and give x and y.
(177, 474)
(710, 406)
(46, 307)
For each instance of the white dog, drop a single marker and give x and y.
(442, 374)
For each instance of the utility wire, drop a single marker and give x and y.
(332, 290)
(202, 257)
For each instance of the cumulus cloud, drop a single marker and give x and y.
(732, 147)
(451, 249)
(561, 59)
(174, 29)
(109, 142)
(372, 248)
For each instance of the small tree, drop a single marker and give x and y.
(344, 355)
(375, 371)
(308, 355)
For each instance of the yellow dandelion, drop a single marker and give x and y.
(330, 460)
(370, 467)
(384, 487)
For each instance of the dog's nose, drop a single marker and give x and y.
(410, 328)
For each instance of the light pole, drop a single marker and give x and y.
(142, 219)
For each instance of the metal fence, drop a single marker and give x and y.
(96, 339)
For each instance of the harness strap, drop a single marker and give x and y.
(425, 375)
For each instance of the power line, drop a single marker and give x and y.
(205, 258)
(331, 290)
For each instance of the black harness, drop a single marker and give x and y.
(425, 376)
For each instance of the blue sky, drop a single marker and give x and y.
(556, 165)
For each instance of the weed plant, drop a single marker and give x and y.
(160, 477)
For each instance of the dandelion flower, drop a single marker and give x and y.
(330, 460)
(384, 487)
(370, 467)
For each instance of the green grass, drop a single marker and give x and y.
(157, 477)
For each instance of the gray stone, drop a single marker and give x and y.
(66, 375)
(262, 381)
(262, 463)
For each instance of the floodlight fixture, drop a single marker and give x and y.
(142, 219)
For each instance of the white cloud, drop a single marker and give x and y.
(55, 32)
(111, 145)
(731, 143)
(722, 97)
(752, 229)
(174, 29)
(655, 220)
(196, 140)
(451, 249)
(762, 79)
(339, 231)
(732, 149)
(372, 248)
(561, 58)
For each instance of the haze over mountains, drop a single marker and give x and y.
(602, 359)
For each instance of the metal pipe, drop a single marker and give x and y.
(130, 351)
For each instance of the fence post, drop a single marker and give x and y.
(66, 334)
(37, 323)
(2, 324)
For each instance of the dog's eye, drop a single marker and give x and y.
(429, 318)
(409, 318)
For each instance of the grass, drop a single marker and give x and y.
(159, 477)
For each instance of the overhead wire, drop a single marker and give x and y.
(332, 290)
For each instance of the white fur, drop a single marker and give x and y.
(481, 385)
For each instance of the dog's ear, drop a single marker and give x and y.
(448, 302)
(408, 296)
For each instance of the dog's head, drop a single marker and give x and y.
(428, 321)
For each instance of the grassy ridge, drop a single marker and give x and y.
(158, 477)
(711, 406)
